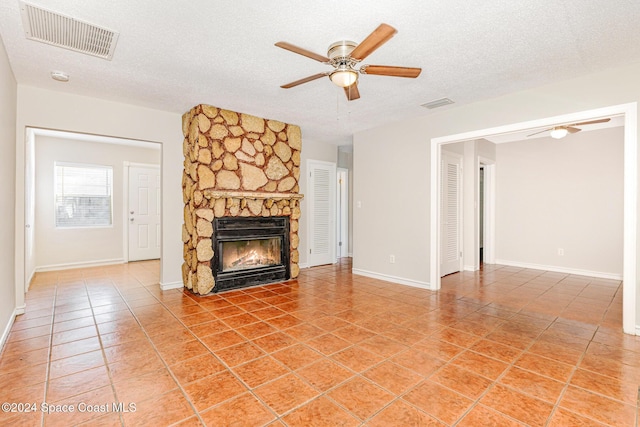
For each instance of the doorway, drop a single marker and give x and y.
(480, 214)
(629, 112)
(485, 228)
(47, 245)
(342, 215)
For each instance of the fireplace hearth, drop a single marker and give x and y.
(249, 251)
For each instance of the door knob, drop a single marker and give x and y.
(131, 212)
(131, 219)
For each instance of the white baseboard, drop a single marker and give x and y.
(393, 279)
(557, 269)
(303, 265)
(21, 309)
(171, 285)
(7, 329)
(84, 264)
(638, 330)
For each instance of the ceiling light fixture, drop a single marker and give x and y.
(559, 132)
(344, 76)
(60, 76)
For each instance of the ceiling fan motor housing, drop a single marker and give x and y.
(341, 50)
(339, 54)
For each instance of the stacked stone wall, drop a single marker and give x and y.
(235, 165)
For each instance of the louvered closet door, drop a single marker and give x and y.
(321, 192)
(450, 252)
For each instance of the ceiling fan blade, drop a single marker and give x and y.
(388, 70)
(377, 38)
(571, 129)
(303, 52)
(352, 92)
(590, 122)
(539, 132)
(305, 80)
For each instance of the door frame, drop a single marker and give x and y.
(630, 222)
(125, 204)
(489, 212)
(342, 212)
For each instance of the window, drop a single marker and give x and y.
(83, 195)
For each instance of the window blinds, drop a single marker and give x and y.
(83, 195)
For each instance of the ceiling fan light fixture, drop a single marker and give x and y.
(344, 76)
(559, 132)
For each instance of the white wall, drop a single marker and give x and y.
(68, 247)
(486, 149)
(311, 150)
(391, 212)
(392, 163)
(565, 193)
(8, 96)
(469, 199)
(47, 109)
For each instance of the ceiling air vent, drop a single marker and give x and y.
(63, 31)
(437, 103)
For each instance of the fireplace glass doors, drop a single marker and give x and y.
(255, 253)
(250, 251)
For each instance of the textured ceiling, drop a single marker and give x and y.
(174, 54)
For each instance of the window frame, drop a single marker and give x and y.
(57, 164)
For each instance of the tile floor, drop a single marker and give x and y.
(500, 347)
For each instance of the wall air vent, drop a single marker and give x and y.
(437, 103)
(63, 31)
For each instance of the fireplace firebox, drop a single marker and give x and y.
(250, 251)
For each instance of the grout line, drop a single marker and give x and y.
(638, 406)
(46, 385)
(104, 357)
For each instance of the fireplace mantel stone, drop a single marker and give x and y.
(235, 165)
(251, 195)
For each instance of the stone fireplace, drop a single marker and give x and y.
(242, 201)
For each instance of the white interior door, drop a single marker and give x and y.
(322, 212)
(451, 250)
(144, 213)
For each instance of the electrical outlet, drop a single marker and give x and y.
(560, 252)
(392, 259)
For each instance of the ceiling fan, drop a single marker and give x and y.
(344, 56)
(558, 132)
